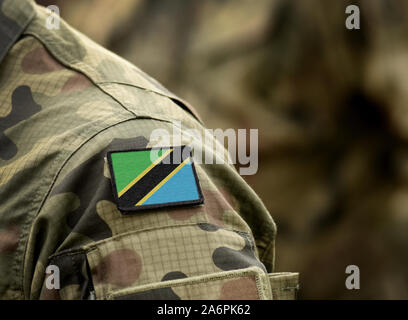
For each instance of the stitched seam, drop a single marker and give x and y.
(93, 246)
(240, 273)
(287, 288)
(78, 70)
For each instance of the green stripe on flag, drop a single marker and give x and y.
(128, 165)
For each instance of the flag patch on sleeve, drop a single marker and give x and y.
(154, 178)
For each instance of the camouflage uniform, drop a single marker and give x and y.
(64, 103)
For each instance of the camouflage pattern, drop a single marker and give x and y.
(65, 102)
(223, 286)
(330, 107)
(329, 104)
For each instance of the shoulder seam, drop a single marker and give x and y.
(70, 67)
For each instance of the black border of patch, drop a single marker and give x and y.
(125, 211)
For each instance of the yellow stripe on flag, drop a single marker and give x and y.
(140, 176)
(147, 196)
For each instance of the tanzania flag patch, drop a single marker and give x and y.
(154, 178)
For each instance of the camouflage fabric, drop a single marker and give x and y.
(64, 103)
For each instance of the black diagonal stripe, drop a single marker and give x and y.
(153, 177)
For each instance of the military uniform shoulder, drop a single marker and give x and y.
(70, 104)
(106, 70)
(64, 91)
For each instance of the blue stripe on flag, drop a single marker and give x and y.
(181, 187)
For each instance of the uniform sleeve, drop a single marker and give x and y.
(221, 249)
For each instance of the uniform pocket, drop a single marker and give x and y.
(193, 261)
(245, 284)
(284, 285)
(181, 253)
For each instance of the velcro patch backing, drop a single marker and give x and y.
(154, 178)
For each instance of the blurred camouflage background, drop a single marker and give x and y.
(331, 106)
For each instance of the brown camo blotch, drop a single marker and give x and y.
(215, 206)
(120, 267)
(185, 213)
(76, 83)
(39, 61)
(9, 239)
(240, 289)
